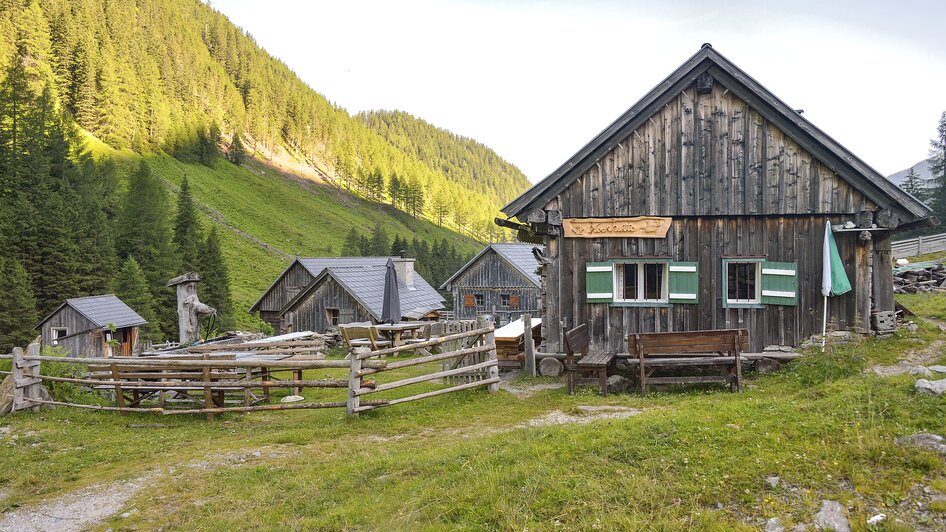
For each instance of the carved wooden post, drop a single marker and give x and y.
(529, 344)
(188, 307)
(354, 382)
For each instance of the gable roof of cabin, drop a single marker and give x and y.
(365, 284)
(315, 266)
(102, 311)
(519, 256)
(824, 148)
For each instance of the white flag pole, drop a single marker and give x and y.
(825, 282)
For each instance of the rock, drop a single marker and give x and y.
(931, 387)
(772, 482)
(774, 525)
(767, 365)
(925, 441)
(550, 367)
(832, 517)
(938, 369)
(6, 395)
(800, 527)
(256, 454)
(920, 370)
(778, 348)
(876, 520)
(618, 384)
(292, 399)
(902, 262)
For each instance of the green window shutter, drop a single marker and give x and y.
(599, 282)
(779, 283)
(684, 282)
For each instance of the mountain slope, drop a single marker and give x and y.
(921, 168)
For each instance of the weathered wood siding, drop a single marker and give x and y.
(492, 276)
(735, 185)
(310, 314)
(82, 337)
(296, 279)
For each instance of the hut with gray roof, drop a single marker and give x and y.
(502, 280)
(94, 326)
(316, 294)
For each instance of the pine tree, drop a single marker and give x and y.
(914, 185)
(237, 152)
(215, 281)
(937, 163)
(145, 234)
(351, 246)
(131, 286)
(187, 235)
(17, 306)
(379, 241)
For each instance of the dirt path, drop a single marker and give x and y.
(914, 361)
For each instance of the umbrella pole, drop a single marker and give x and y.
(824, 325)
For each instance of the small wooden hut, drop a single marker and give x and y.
(94, 326)
(704, 207)
(502, 280)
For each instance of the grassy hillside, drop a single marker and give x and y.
(266, 217)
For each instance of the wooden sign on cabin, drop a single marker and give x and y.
(636, 227)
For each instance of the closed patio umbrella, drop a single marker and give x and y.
(391, 304)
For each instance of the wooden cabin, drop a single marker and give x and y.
(94, 326)
(704, 207)
(298, 276)
(502, 280)
(348, 292)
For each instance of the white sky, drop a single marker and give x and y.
(536, 80)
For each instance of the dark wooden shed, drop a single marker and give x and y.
(502, 280)
(704, 207)
(85, 326)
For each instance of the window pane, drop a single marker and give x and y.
(630, 281)
(653, 281)
(741, 281)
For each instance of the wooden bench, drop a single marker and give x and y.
(674, 350)
(576, 342)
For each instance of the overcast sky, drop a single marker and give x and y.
(536, 80)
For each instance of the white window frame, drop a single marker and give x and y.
(65, 332)
(757, 300)
(618, 282)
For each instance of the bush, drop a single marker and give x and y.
(65, 391)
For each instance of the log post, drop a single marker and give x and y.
(354, 382)
(490, 339)
(31, 372)
(17, 371)
(208, 391)
(529, 344)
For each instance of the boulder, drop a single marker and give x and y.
(618, 384)
(774, 525)
(767, 365)
(550, 367)
(931, 387)
(926, 441)
(832, 517)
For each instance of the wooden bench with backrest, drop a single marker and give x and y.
(651, 352)
(576, 343)
(362, 335)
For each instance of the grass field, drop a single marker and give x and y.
(265, 216)
(694, 458)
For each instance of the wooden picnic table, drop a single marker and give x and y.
(395, 332)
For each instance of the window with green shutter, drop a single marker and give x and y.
(599, 281)
(779, 283)
(684, 281)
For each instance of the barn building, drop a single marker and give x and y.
(84, 326)
(315, 294)
(704, 207)
(502, 280)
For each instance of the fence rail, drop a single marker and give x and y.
(206, 384)
(921, 245)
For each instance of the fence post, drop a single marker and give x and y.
(494, 369)
(16, 368)
(31, 372)
(354, 382)
(529, 344)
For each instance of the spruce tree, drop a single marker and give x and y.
(914, 185)
(364, 246)
(351, 246)
(379, 241)
(131, 286)
(187, 235)
(17, 306)
(937, 163)
(215, 281)
(237, 152)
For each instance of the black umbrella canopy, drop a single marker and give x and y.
(391, 304)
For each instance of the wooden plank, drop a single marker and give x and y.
(425, 378)
(703, 379)
(426, 359)
(428, 343)
(494, 380)
(135, 362)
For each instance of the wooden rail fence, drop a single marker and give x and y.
(918, 246)
(208, 383)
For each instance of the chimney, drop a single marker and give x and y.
(405, 271)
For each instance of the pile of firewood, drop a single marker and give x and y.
(920, 279)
